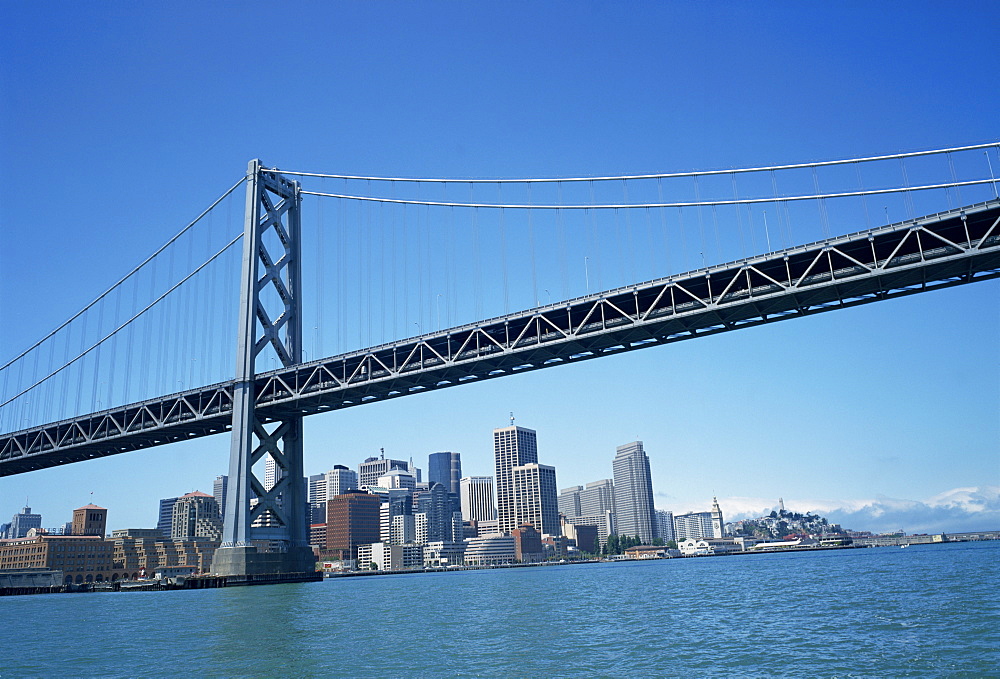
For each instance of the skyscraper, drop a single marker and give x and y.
(634, 493)
(220, 490)
(535, 499)
(21, 523)
(665, 525)
(446, 469)
(512, 447)
(477, 498)
(598, 497)
(352, 519)
(166, 516)
(339, 480)
(374, 467)
(569, 502)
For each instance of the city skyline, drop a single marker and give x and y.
(838, 411)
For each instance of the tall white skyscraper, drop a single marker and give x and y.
(512, 447)
(665, 525)
(535, 499)
(695, 525)
(634, 512)
(476, 493)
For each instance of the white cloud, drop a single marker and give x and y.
(955, 510)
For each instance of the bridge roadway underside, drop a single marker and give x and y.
(936, 251)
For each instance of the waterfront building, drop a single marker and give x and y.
(598, 497)
(443, 554)
(90, 520)
(445, 468)
(633, 493)
(528, 544)
(490, 550)
(694, 525)
(196, 515)
(665, 525)
(569, 501)
(535, 499)
(373, 467)
(512, 447)
(352, 520)
(220, 491)
(22, 522)
(339, 480)
(476, 493)
(141, 552)
(701, 546)
(390, 557)
(81, 558)
(555, 546)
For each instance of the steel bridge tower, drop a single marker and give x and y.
(271, 536)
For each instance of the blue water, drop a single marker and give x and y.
(923, 611)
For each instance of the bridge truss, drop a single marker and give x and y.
(940, 250)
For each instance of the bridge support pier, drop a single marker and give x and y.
(265, 524)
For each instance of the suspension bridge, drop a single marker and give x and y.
(641, 261)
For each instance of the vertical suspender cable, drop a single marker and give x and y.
(739, 217)
(531, 245)
(701, 221)
(822, 206)
(663, 226)
(864, 199)
(563, 263)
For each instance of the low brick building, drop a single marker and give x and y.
(81, 558)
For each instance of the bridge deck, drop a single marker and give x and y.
(936, 251)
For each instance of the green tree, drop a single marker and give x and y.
(672, 544)
(657, 542)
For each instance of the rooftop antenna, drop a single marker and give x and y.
(382, 452)
(512, 418)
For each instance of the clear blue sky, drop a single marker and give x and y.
(120, 122)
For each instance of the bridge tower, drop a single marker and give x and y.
(271, 536)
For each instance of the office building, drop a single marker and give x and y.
(693, 525)
(166, 516)
(90, 520)
(633, 493)
(372, 468)
(352, 520)
(437, 515)
(665, 525)
(604, 523)
(535, 499)
(81, 558)
(569, 501)
(196, 515)
(397, 479)
(339, 480)
(220, 490)
(512, 447)
(598, 497)
(22, 522)
(491, 550)
(528, 544)
(476, 494)
(272, 473)
(446, 469)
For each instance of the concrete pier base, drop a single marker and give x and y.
(247, 560)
